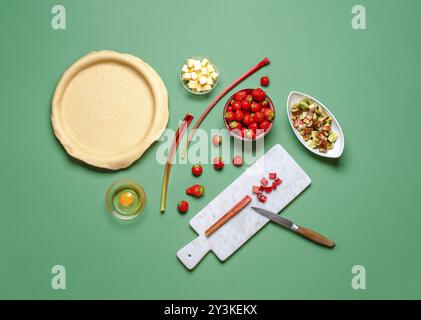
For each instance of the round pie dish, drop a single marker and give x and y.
(108, 108)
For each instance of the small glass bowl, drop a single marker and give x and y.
(184, 83)
(134, 210)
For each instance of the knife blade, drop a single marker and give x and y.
(288, 224)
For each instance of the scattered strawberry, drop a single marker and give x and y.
(239, 115)
(216, 140)
(258, 95)
(264, 182)
(240, 95)
(272, 175)
(265, 124)
(264, 81)
(196, 190)
(218, 164)
(237, 161)
(183, 206)
(229, 116)
(196, 170)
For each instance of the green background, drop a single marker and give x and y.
(53, 209)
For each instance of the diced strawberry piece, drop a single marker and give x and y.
(268, 189)
(272, 175)
(264, 182)
(262, 198)
(256, 189)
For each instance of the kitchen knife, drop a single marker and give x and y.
(286, 223)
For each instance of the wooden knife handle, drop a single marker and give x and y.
(315, 237)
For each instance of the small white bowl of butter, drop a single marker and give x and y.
(199, 75)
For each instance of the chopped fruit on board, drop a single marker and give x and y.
(264, 182)
(314, 125)
(183, 206)
(196, 191)
(272, 175)
(262, 198)
(196, 170)
(256, 189)
(237, 161)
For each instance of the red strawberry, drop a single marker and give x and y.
(268, 113)
(265, 125)
(258, 94)
(255, 107)
(237, 161)
(218, 164)
(196, 170)
(264, 182)
(236, 105)
(249, 134)
(265, 103)
(239, 115)
(196, 190)
(264, 81)
(183, 206)
(240, 95)
(229, 108)
(216, 140)
(253, 126)
(246, 105)
(229, 116)
(247, 120)
(258, 117)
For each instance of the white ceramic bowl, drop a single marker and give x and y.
(295, 97)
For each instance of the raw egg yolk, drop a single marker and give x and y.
(126, 199)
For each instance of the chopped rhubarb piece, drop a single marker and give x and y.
(256, 189)
(272, 175)
(274, 186)
(277, 182)
(264, 182)
(268, 189)
(259, 194)
(262, 188)
(262, 198)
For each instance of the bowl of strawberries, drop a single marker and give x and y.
(249, 114)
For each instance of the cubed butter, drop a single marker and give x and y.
(186, 76)
(204, 62)
(214, 75)
(190, 63)
(194, 75)
(203, 80)
(197, 66)
(192, 84)
(211, 68)
(204, 71)
(209, 80)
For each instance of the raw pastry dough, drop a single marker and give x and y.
(108, 108)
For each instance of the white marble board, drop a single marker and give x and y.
(232, 235)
